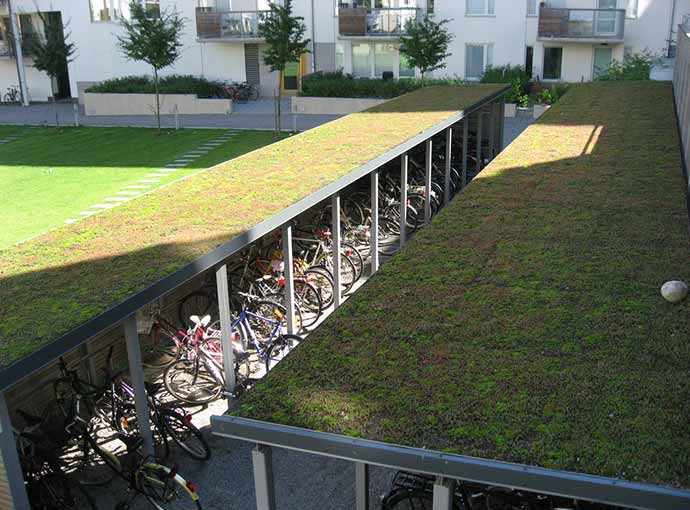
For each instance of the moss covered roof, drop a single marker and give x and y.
(525, 323)
(54, 283)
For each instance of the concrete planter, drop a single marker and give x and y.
(332, 105)
(510, 110)
(539, 110)
(145, 104)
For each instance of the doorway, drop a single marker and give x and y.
(603, 56)
(292, 75)
(529, 60)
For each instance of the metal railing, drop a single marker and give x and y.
(599, 24)
(363, 22)
(212, 24)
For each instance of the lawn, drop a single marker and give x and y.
(50, 175)
(525, 323)
(59, 280)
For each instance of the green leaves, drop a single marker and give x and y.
(284, 35)
(426, 44)
(155, 40)
(51, 50)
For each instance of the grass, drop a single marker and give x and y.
(59, 280)
(50, 175)
(525, 323)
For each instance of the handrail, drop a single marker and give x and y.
(484, 471)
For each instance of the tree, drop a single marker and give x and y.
(284, 36)
(154, 38)
(51, 49)
(426, 44)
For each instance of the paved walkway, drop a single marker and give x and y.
(251, 115)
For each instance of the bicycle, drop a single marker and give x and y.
(12, 95)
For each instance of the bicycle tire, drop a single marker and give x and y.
(308, 300)
(58, 491)
(356, 258)
(195, 394)
(160, 489)
(198, 303)
(280, 348)
(323, 281)
(180, 430)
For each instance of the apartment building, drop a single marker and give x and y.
(559, 40)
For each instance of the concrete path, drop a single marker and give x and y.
(251, 115)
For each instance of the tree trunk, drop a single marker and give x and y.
(158, 100)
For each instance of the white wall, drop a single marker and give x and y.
(650, 29)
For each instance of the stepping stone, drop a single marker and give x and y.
(166, 170)
(175, 165)
(137, 187)
(129, 193)
(150, 181)
(87, 213)
(102, 206)
(117, 199)
(182, 160)
(198, 153)
(189, 156)
(70, 221)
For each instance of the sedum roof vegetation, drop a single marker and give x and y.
(525, 323)
(60, 280)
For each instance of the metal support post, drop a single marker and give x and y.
(479, 141)
(465, 149)
(226, 328)
(136, 373)
(289, 278)
(492, 131)
(404, 164)
(427, 181)
(444, 489)
(262, 463)
(501, 124)
(449, 162)
(19, 57)
(362, 486)
(337, 290)
(374, 239)
(10, 459)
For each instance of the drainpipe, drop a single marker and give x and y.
(313, 38)
(21, 73)
(670, 28)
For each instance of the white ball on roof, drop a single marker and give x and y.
(674, 291)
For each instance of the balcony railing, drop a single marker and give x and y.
(581, 24)
(212, 24)
(363, 22)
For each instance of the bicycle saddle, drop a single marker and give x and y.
(133, 443)
(203, 321)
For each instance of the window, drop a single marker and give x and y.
(631, 9)
(339, 56)
(477, 58)
(113, 10)
(531, 7)
(602, 60)
(384, 59)
(406, 69)
(553, 58)
(361, 66)
(480, 8)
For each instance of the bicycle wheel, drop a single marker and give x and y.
(280, 348)
(265, 314)
(57, 491)
(189, 381)
(323, 281)
(198, 303)
(309, 302)
(162, 490)
(185, 434)
(356, 258)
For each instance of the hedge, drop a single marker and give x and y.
(173, 84)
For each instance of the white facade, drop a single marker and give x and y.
(487, 32)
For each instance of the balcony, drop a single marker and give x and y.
(237, 26)
(581, 25)
(386, 22)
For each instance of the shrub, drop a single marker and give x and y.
(173, 84)
(515, 75)
(551, 95)
(338, 84)
(633, 67)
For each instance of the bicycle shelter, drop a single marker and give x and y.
(520, 339)
(67, 287)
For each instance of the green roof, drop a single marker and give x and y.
(525, 323)
(60, 280)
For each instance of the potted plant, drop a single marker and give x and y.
(544, 100)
